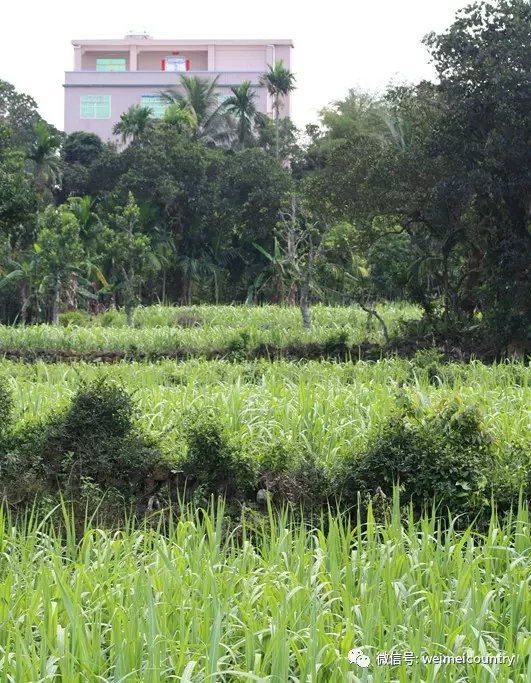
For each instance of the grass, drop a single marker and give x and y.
(158, 328)
(197, 603)
(272, 600)
(329, 408)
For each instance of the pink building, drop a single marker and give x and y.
(111, 75)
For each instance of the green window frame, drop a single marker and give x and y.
(103, 64)
(95, 106)
(156, 103)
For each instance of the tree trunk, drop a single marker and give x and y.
(56, 301)
(23, 301)
(373, 312)
(305, 303)
(129, 313)
(71, 293)
(277, 130)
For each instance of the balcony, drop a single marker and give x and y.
(154, 79)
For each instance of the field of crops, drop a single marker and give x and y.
(279, 601)
(330, 408)
(200, 603)
(205, 327)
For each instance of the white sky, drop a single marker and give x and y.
(338, 43)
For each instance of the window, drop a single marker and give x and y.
(110, 64)
(95, 106)
(156, 103)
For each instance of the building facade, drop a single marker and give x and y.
(111, 75)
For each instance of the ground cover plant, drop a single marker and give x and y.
(160, 328)
(306, 432)
(274, 601)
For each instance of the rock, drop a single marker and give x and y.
(262, 496)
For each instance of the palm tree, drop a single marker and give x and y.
(90, 224)
(178, 116)
(212, 123)
(279, 82)
(241, 105)
(43, 153)
(134, 123)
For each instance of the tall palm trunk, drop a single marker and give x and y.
(277, 129)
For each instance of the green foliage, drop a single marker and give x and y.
(447, 458)
(6, 409)
(82, 148)
(134, 125)
(19, 111)
(74, 319)
(262, 596)
(95, 439)
(214, 461)
(239, 346)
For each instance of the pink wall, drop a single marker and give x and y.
(232, 62)
(121, 99)
(150, 61)
(240, 59)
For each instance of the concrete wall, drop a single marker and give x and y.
(121, 100)
(240, 59)
(150, 61)
(233, 63)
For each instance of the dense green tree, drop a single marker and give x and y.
(60, 251)
(20, 113)
(82, 148)
(130, 253)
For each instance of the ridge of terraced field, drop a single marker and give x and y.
(160, 328)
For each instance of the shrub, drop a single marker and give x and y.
(95, 439)
(337, 343)
(75, 319)
(239, 346)
(447, 457)
(6, 409)
(214, 461)
(112, 318)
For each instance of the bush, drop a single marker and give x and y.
(337, 343)
(112, 318)
(95, 439)
(6, 409)
(214, 461)
(447, 457)
(75, 319)
(239, 346)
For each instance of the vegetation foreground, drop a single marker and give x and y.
(272, 601)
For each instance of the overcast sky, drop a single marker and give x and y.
(338, 43)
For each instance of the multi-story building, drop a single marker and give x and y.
(111, 75)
